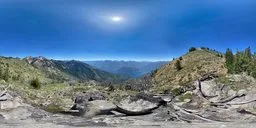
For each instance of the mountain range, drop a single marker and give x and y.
(52, 71)
(132, 69)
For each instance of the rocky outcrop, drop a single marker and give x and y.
(93, 104)
(7, 101)
(140, 104)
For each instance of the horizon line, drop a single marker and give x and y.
(96, 59)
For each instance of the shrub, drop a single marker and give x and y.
(178, 65)
(6, 75)
(111, 88)
(128, 87)
(192, 49)
(36, 84)
(185, 96)
(176, 91)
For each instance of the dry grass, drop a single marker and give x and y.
(194, 64)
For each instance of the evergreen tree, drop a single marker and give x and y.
(248, 53)
(229, 60)
(178, 65)
(192, 49)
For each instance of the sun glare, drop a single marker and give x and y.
(116, 18)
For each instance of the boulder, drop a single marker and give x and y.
(210, 88)
(93, 108)
(85, 97)
(133, 105)
(99, 107)
(140, 104)
(84, 102)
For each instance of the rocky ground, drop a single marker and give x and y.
(209, 102)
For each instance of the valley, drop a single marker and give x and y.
(196, 89)
(133, 69)
(127, 63)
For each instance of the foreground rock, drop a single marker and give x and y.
(140, 104)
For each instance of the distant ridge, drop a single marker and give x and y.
(73, 69)
(128, 68)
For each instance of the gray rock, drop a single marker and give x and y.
(9, 104)
(242, 92)
(5, 97)
(210, 88)
(99, 107)
(140, 104)
(82, 100)
(85, 97)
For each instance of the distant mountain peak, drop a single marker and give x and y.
(39, 61)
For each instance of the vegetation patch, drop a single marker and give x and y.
(177, 91)
(54, 108)
(185, 96)
(36, 84)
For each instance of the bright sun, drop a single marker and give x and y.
(116, 18)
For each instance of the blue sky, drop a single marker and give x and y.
(148, 29)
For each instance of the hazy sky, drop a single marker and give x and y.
(123, 29)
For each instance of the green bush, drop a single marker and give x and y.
(36, 84)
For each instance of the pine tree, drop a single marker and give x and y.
(229, 60)
(178, 65)
(248, 53)
(192, 49)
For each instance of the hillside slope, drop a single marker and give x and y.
(84, 71)
(17, 69)
(194, 64)
(71, 70)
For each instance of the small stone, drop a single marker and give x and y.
(242, 92)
